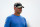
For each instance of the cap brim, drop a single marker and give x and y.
(20, 7)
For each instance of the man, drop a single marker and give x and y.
(16, 20)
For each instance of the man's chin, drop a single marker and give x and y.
(19, 13)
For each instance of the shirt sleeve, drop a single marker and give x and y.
(25, 23)
(7, 22)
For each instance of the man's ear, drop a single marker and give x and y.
(14, 7)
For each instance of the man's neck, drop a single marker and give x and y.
(16, 14)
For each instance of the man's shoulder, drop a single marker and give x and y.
(23, 17)
(9, 17)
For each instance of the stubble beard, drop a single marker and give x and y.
(18, 13)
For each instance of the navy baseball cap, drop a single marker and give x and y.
(18, 5)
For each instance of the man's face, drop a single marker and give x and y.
(18, 10)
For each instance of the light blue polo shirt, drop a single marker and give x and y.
(15, 21)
